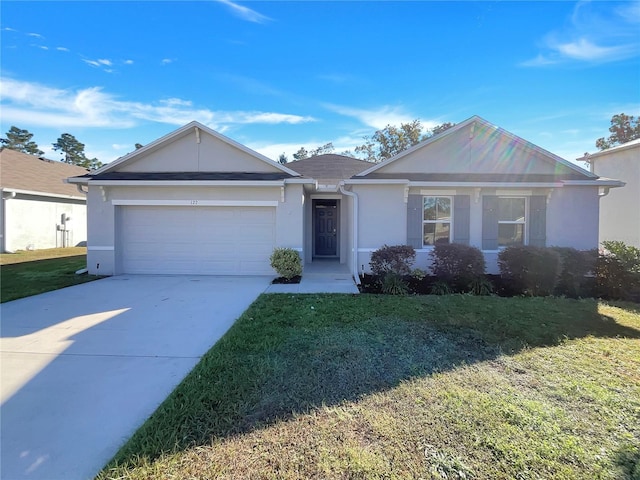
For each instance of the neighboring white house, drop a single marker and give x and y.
(38, 209)
(196, 202)
(620, 208)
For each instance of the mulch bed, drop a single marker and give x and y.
(287, 281)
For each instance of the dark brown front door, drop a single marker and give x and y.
(325, 214)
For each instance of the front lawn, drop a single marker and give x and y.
(368, 386)
(28, 273)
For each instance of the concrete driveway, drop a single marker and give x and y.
(83, 367)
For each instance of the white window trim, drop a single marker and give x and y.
(525, 223)
(450, 197)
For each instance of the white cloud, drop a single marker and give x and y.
(245, 13)
(37, 104)
(35, 35)
(101, 62)
(167, 61)
(128, 62)
(378, 118)
(9, 29)
(43, 47)
(583, 49)
(62, 49)
(597, 33)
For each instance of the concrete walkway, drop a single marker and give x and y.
(320, 277)
(83, 367)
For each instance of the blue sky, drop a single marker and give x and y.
(276, 76)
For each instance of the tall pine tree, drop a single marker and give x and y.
(20, 140)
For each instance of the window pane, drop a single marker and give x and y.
(510, 234)
(429, 237)
(511, 209)
(429, 208)
(442, 233)
(436, 233)
(443, 211)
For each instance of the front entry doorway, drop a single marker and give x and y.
(325, 228)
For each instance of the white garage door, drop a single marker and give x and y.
(197, 240)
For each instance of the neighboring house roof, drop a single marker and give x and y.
(477, 123)
(179, 133)
(27, 173)
(329, 167)
(625, 146)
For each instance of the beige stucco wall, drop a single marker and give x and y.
(187, 155)
(619, 210)
(478, 150)
(30, 221)
(103, 251)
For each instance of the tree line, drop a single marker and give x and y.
(71, 149)
(391, 140)
(383, 144)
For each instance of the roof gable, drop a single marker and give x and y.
(329, 167)
(478, 147)
(194, 148)
(21, 171)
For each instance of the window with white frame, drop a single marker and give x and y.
(511, 221)
(436, 220)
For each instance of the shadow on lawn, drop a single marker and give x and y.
(290, 354)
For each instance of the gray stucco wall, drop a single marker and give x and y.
(572, 217)
(103, 239)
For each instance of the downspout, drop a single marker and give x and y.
(79, 187)
(354, 266)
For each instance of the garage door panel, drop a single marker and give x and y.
(197, 240)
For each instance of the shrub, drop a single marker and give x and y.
(481, 286)
(286, 262)
(394, 284)
(458, 265)
(418, 274)
(614, 281)
(575, 266)
(392, 259)
(441, 288)
(628, 255)
(530, 270)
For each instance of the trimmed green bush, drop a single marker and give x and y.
(457, 264)
(530, 270)
(286, 262)
(392, 259)
(627, 255)
(575, 267)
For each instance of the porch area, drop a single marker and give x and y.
(321, 276)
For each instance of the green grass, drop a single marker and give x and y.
(333, 386)
(28, 273)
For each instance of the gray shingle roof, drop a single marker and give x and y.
(329, 167)
(21, 171)
(160, 176)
